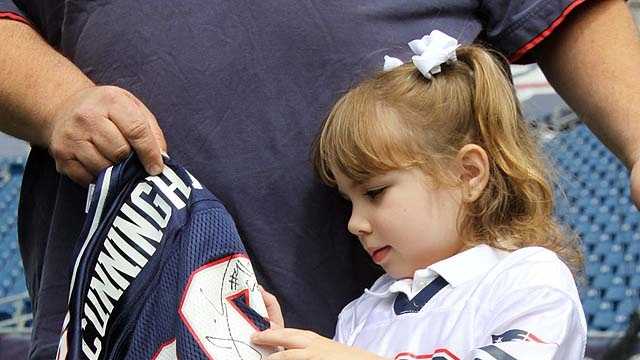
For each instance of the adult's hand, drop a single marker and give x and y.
(98, 126)
(48, 101)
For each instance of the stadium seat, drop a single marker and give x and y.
(634, 281)
(627, 267)
(615, 256)
(634, 248)
(604, 320)
(604, 279)
(603, 247)
(592, 198)
(622, 236)
(591, 305)
(615, 293)
(592, 268)
(627, 306)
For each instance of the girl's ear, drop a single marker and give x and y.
(474, 175)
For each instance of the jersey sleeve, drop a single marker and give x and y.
(9, 11)
(536, 323)
(516, 27)
(220, 305)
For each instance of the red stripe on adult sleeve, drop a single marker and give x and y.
(544, 34)
(14, 16)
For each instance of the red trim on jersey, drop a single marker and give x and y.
(427, 356)
(184, 295)
(14, 16)
(535, 338)
(162, 346)
(545, 33)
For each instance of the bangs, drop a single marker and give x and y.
(363, 137)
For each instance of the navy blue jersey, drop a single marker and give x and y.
(160, 273)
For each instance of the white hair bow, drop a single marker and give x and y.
(430, 52)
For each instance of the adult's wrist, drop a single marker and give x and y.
(49, 115)
(34, 81)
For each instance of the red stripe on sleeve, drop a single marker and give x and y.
(545, 33)
(14, 16)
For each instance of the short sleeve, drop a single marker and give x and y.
(9, 11)
(536, 323)
(344, 326)
(516, 27)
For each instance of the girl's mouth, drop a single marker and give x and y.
(380, 254)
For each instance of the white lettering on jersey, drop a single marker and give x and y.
(175, 183)
(120, 261)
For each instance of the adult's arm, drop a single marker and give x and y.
(46, 100)
(593, 62)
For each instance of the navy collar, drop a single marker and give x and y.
(403, 305)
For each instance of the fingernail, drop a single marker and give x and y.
(155, 169)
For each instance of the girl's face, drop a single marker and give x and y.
(404, 223)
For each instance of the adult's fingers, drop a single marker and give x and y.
(90, 158)
(110, 142)
(151, 119)
(289, 338)
(135, 127)
(75, 171)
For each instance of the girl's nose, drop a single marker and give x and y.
(358, 224)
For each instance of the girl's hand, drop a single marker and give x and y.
(273, 309)
(307, 345)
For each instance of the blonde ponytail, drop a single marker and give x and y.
(399, 119)
(518, 201)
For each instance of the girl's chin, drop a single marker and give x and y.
(398, 274)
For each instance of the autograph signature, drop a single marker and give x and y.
(230, 344)
(238, 277)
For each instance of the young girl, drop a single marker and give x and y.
(450, 197)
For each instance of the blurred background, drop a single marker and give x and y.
(592, 195)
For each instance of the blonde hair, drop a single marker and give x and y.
(399, 119)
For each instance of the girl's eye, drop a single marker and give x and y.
(374, 193)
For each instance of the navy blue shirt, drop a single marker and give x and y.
(240, 89)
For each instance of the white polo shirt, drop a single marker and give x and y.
(482, 303)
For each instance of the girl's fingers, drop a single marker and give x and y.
(273, 309)
(287, 355)
(288, 338)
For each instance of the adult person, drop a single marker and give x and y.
(238, 90)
